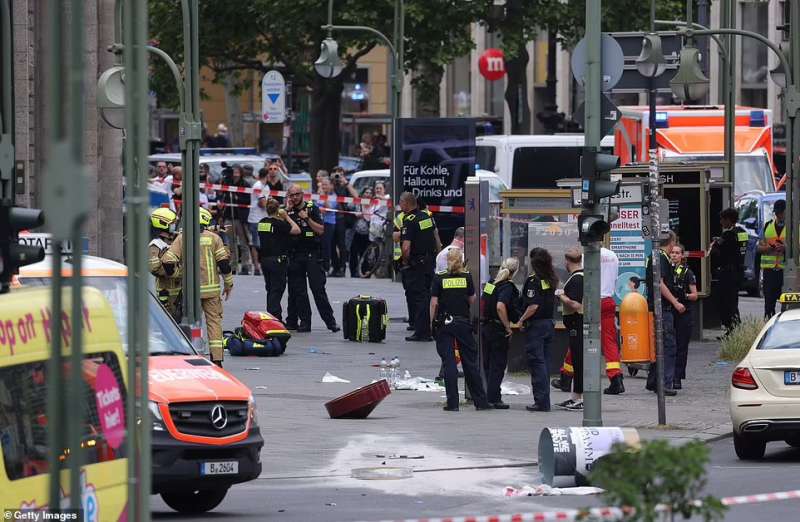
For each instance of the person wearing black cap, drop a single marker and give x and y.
(772, 249)
(727, 256)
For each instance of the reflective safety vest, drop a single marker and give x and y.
(772, 261)
(742, 237)
(397, 251)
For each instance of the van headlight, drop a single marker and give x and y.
(252, 411)
(157, 418)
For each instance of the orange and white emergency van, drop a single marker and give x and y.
(25, 330)
(697, 133)
(205, 434)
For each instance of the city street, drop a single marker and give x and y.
(464, 460)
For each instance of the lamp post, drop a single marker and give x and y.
(651, 64)
(792, 118)
(329, 65)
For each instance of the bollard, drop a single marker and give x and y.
(574, 451)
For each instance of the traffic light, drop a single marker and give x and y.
(592, 228)
(596, 176)
(12, 254)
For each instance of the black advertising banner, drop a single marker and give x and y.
(437, 155)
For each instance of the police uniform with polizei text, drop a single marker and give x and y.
(419, 228)
(495, 340)
(728, 256)
(539, 332)
(453, 291)
(684, 278)
(667, 320)
(305, 264)
(273, 238)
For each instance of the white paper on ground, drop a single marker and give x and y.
(513, 388)
(543, 490)
(418, 384)
(329, 377)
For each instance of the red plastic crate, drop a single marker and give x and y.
(358, 404)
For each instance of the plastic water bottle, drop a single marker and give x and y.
(382, 373)
(394, 369)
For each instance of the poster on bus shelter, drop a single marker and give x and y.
(437, 155)
(632, 249)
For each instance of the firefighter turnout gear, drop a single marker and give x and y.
(168, 287)
(214, 262)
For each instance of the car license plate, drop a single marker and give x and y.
(219, 468)
(791, 377)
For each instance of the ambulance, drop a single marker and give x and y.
(205, 433)
(25, 329)
(697, 133)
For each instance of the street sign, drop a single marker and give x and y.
(609, 115)
(273, 98)
(612, 58)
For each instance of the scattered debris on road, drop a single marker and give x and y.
(329, 377)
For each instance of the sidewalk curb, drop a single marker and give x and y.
(715, 433)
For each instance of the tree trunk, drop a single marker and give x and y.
(426, 92)
(517, 92)
(233, 108)
(326, 108)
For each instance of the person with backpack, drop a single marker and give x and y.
(500, 310)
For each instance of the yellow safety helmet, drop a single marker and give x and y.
(163, 218)
(205, 217)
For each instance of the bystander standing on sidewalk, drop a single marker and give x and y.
(258, 211)
(360, 238)
(345, 221)
(236, 207)
(328, 208)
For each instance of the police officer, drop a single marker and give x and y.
(500, 301)
(686, 293)
(420, 243)
(397, 259)
(727, 253)
(215, 259)
(538, 300)
(669, 307)
(305, 264)
(274, 234)
(168, 288)
(452, 293)
(571, 298)
(772, 250)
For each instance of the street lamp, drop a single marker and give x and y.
(329, 65)
(651, 62)
(689, 83)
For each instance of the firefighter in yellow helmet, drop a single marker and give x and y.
(215, 260)
(168, 288)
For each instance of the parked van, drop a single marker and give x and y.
(533, 160)
(25, 317)
(197, 456)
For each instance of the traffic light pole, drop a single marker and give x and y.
(592, 360)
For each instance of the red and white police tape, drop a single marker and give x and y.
(599, 513)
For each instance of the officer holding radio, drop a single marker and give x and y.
(274, 233)
(452, 294)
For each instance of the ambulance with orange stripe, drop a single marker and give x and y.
(697, 133)
(205, 434)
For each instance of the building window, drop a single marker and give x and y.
(459, 100)
(355, 92)
(754, 65)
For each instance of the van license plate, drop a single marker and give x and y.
(219, 468)
(791, 377)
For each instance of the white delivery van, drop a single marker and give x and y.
(533, 160)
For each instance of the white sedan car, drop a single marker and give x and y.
(765, 388)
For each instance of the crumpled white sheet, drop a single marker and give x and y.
(543, 490)
(418, 384)
(513, 388)
(329, 377)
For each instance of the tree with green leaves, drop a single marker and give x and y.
(286, 34)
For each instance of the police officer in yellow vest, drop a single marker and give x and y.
(168, 288)
(215, 260)
(772, 249)
(452, 294)
(727, 256)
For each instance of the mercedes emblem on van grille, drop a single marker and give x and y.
(219, 417)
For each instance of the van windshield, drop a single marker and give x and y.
(165, 336)
(540, 167)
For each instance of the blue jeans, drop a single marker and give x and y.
(538, 338)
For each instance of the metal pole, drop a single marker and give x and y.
(792, 104)
(730, 102)
(593, 368)
(136, 148)
(190, 137)
(7, 188)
